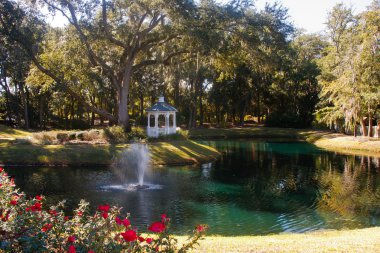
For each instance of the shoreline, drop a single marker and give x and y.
(329, 141)
(177, 152)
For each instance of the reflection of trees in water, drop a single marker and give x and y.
(352, 190)
(282, 182)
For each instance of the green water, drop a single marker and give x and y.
(256, 187)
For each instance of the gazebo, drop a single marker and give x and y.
(161, 119)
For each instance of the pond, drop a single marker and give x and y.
(255, 188)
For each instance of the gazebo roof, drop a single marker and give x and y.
(161, 106)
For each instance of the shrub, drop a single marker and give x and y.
(72, 136)
(94, 134)
(83, 136)
(115, 134)
(136, 133)
(118, 135)
(62, 137)
(44, 138)
(28, 226)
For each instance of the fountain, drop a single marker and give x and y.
(133, 162)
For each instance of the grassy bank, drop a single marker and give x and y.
(170, 153)
(173, 152)
(323, 139)
(343, 143)
(358, 240)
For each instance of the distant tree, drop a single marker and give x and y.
(349, 79)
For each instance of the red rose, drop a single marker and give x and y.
(141, 239)
(71, 239)
(126, 222)
(118, 221)
(157, 227)
(79, 213)
(149, 240)
(13, 202)
(38, 197)
(71, 249)
(53, 212)
(1, 169)
(1, 185)
(66, 218)
(46, 227)
(37, 207)
(201, 228)
(105, 215)
(104, 208)
(91, 251)
(129, 235)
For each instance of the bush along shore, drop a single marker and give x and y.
(27, 225)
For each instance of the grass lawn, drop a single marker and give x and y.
(357, 240)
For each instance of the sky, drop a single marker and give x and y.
(311, 14)
(307, 14)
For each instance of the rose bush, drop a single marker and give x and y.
(27, 225)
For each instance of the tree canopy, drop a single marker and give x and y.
(217, 63)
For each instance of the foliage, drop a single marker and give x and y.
(350, 68)
(117, 134)
(28, 226)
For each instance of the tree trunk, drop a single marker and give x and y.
(363, 126)
(7, 98)
(369, 124)
(25, 103)
(355, 129)
(141, 106)
(41, 111)
(242, 119)
(123, 117)
(200, 108)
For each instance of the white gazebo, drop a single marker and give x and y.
(167, 114)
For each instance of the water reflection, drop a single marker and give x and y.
(256, 187)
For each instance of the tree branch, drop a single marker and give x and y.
(156, 61)
(94, 59)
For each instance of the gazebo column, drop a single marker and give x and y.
(156, 124)
(166, 123)
(148, 120)
(174, 120)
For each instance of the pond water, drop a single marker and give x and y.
(256, 187)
